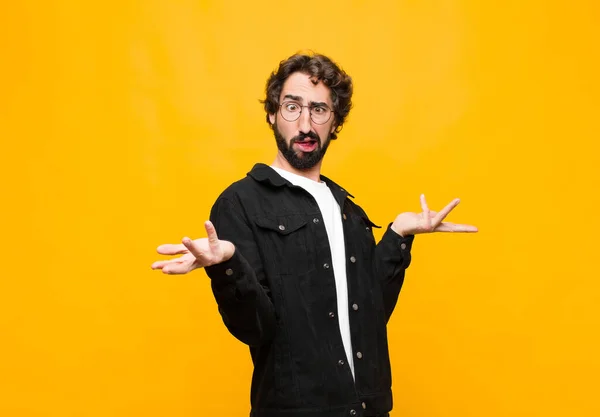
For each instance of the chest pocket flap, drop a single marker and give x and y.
(284, 225)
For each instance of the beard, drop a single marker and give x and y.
(299, 159)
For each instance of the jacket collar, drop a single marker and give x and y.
(265, 174)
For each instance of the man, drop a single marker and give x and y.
(295, 270)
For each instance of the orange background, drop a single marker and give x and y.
(121, 121)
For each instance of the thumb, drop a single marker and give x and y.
(213, 239)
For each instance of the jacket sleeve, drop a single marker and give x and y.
(239, 285)
(392, 257)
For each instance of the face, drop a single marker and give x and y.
(303, 142)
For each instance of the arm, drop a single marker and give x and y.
(392, 257)
(239, 284)
(235, 269)
(392, 254)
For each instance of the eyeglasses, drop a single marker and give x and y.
(319, 114)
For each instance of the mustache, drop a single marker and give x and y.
(303, 136)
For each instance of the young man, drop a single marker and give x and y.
(295, 269)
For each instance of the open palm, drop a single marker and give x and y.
(195, 254)
(429, 221)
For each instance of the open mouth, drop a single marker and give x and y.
(307, 145)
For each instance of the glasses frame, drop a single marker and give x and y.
(310, 107)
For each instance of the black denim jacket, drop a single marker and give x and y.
(277, 294)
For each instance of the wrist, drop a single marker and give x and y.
(398, 230)
(228, 251)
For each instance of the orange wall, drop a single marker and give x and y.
(121, 121)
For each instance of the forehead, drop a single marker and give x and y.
(300, 85)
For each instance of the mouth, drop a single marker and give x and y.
(307, 145)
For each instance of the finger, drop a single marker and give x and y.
(444, 212)
(193, 247)
(426, 211)
(179, 266)
(456, 228)
(424, 206)
(162, 264)
(171, 249)
(213, 239)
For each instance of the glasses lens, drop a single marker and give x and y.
(290, 111)
(320, 114)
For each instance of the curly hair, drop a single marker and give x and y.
(319, 68)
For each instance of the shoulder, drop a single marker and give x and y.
(236, 191)
(261, 176)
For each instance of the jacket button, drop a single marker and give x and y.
(326, 266)
(359, 355)
(281, 227)
(368, 229)
(341, 362)
(331, 314)
(315, 220)
(344, 216)
(354, 306)
(352, 259)
(364, 406)
(229, 272)
(403, 246)
(352, 412)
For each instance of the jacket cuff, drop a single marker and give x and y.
(398, 244)
(399, 240)
(230, 278)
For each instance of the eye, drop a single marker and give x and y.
(319, 110)
(293, 107)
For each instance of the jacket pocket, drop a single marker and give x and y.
(282, 225)
(283, 240)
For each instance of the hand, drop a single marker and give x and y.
(197, 253)
(429, 221)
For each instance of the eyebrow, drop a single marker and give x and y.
(300, 99)
(292, 97)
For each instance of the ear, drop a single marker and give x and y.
(333, 127)
(271, 119)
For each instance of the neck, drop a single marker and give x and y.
(313, 173)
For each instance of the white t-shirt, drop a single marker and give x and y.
(332, 217)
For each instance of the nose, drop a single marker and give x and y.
(304, 121)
